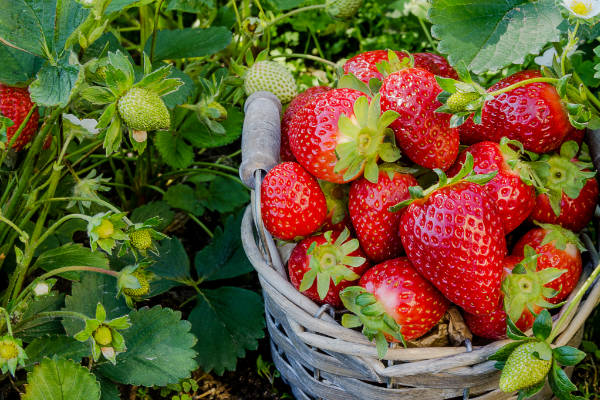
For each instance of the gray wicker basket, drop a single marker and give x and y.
(318, 357)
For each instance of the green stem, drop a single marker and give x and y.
(201, 225)
(523, 83)
(62, 314)
(294, 12)
(97, 201)
(155, 30)
(573, 305)
(201, 170)
(21, 233)
(16, 135)
(7, 316)
(216, 165)
(55, 226)
(313, 58)
(427, 33)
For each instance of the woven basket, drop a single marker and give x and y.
(318, 357)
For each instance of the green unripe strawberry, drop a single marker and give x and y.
(271, 77)
(142, 290)
(143, 110)
(141, 239)
(106, 229)
(103, 336)
(8, 350)
(523, 369)
(458, 101)
(343, 8)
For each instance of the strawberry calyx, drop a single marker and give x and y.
(330, 262)
(395, 64)
(466, 174)
(369, 313)
(364, 138)
(461, 98)
(336, 197)
(524, 288)
(514, 153)
(560, 237)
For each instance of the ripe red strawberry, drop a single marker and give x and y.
(296, 104)
(364, 65)
(321, 266)
(572, 190)
(336, 196)
(423, 135)
(292, 202)
(557, 248)
(339, 135)
(454, 237)
(15, 104)
(376, 227)
(393, 302)
(493, 325)
(532, 114)
(513, 197)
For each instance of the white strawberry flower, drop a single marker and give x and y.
(41, 289)
(419, 8)
(585, 9)
(549, 55)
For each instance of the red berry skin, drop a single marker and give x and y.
(376, 227)
(455, 239)
(313, 132)
(296, 104)
(364, 65)
(575, 214)
(15, 104)
(493, 325)
(532, 114)
(292, 202)
(551, 257)
(406, 296)
(299, 264)
(423, 135)
(576, 135)
(514, 198)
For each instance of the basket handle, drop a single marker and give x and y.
(261, 135)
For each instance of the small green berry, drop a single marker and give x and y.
(458, 101)
(106, 229)
(343, 8)
(523, 369)
(8, 350)
(103, 336)
(272, 77)
(141, 239)
(142, 290)
(143, 110)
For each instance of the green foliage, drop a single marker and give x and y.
(159, 349)
(190, 42)
(489, 35)
(59, 379)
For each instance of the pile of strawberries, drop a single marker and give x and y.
(393, 222)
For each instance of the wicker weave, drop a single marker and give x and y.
(320, 359)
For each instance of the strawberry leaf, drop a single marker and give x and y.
(530, 391)
(560, 383)
(190, 42)
(60, 379)
(542, 325)
(568, 356)
(488, 35)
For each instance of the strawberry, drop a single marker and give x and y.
(141, 239)
(570, 191)
(343, 9)
(339, 135)
(365, 65)
(376, 227)
(393, 303)
(321, 266)
(15, 104)
(454, 237)
(272, 77)
(423, 135)
(142, 290)
(336, 197)
(524, 368)
(532, 114)
(103, 336)
(557, 248)
(513, 197)
(296, 104)
(143, 110)
(493, 325)
(292, 202)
